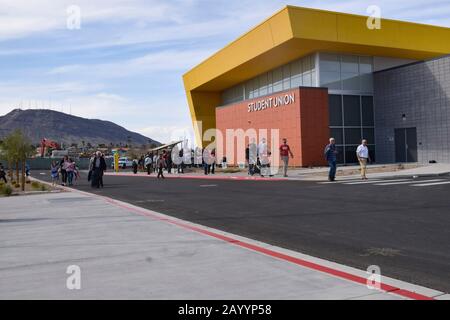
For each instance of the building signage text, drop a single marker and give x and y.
(273, 102)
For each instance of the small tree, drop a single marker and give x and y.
(17, 149)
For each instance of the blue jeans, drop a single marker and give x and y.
(332, 164)
(70, 177)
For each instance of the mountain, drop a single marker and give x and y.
(67, 129)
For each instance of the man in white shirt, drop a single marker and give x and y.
(363, 157)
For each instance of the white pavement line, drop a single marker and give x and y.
(406, 182)
(337, 181)
(430, 184)
(374, 181)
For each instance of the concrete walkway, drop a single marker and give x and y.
(126, 252)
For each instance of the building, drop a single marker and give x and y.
(313, 74)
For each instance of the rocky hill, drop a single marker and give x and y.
(67, 129)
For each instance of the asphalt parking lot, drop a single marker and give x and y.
(401, 226)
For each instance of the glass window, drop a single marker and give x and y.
(329, 63)
(287, 77)
(350, 64)
(372, 154)
(263, 83)
(278, 80)
(307, 81)
(369, 135)
(350, 73)
(313, 78)
(255, 87)
(338, 135)
(352, 111)
(307, 64)
(296, 68)
(365, 65)
(269, 82)
(350, 154)
(335, 110)
(350, 81)
(296, 81)
(352, 135)
(366, 81)
(367, 111)
(331, 80)
(249, 90)
(340, 154)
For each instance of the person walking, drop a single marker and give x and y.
(285, 152)
(3, 173)
(161, 163)
(69, 166)
(362, 152)
(54, 172)
(97, 169)
(252, 157)
(135, 166)
(154, 162)
(330, 156)
(63, 170)
(102, 172)
(148, 164)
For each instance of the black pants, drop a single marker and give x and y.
(96, 177)
(160, 173)
(63, 176)
(149, 168)
(3, 177)
(100, 179)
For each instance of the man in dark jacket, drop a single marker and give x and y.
(330, 156)
(97, 169)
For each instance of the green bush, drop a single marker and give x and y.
(35, 185)
(6, 190)
(43, 187)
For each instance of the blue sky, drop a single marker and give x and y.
(126, 61)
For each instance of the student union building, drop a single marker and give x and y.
(315, 74)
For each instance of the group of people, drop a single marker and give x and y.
(155, 163)
(258, 157)
(68, 170)
(362, 153)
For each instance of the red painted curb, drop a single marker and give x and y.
(301, 262)
(311, 265)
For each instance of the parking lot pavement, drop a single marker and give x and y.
(400, 228)
(126, 252)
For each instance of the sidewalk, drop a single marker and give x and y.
(126, 252)
(315, 174)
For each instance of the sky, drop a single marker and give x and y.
(126, 60)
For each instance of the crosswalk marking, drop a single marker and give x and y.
(431, 184)
(407, 182)
(374, 181)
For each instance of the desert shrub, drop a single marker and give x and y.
(35, 184)
(43, 187)
(28, 182)
(17, 185)
(6, 190)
